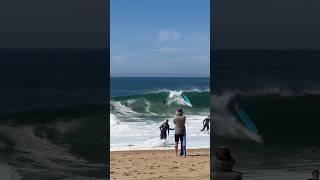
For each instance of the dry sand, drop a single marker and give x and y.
(159, 164)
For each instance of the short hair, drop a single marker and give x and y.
(315, 171)
(223, 153)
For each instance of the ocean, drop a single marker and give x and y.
(137, 111)
(53, 113)
(279, 91)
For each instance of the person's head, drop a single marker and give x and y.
(179, 112)
(315, 174)
(223, 153)
(223, 160)
(167, 120)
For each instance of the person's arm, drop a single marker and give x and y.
(203, 121)
(168, 129)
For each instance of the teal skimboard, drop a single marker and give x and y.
(246, 120)
(186, 100)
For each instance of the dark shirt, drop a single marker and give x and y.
(206, 121)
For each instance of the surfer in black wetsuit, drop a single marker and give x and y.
(205, 123)
(164, 128)
(163, 101)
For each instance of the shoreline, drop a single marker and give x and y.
(158, 149)
(160, 164)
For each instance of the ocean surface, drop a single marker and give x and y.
(280, 92)
(53, 113)
(137, 111)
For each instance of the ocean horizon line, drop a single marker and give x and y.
(159, 76)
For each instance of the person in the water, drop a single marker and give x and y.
(164, 128)
(164, 101)
(205, 123)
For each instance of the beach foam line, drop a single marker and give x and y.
(150, 149)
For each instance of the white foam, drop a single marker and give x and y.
(148, 106)
(146, 134)
(183, 90)
(225, 124)
(8, 173)
(176, 96)
(122, 109)
(41, 151)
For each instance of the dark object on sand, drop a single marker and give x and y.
(223, 164)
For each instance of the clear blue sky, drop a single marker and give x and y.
(160, 38)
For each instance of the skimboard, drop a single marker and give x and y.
(246, 120)
(183, 149)
(180, 99)
(186, 100)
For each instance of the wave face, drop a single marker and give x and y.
(151, 103)
(55, 142)
(281, 118)
(135, 119)
(279, 91)
(55, 121)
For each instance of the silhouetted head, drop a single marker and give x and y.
(223, 153)
(179, 112)
(315, 174)
(223, 161)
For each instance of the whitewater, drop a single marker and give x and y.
(135, 120)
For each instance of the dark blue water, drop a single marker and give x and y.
(34, 78)
(295, 70)
(52, 111)
(123, 86)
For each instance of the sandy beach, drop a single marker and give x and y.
(159, 164)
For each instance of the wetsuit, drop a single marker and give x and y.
(206, 124)
(164, 101)
(163, 130)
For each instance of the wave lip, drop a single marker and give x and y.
(151, 104)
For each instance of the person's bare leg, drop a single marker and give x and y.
(176, 147)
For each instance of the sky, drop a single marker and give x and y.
(53, 23)
(164, 38)
(266, 24)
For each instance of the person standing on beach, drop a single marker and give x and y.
(179, 120)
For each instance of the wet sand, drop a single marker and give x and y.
(159, 164)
